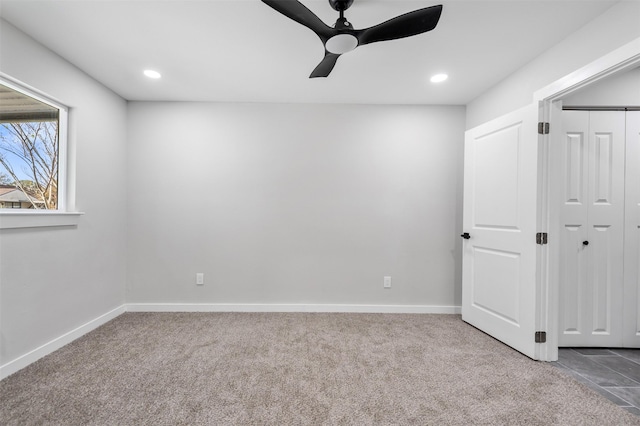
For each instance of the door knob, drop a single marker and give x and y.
(585, 243)
(466, 236)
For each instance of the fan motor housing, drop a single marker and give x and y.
(340, 5)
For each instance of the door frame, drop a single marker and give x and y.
(549, 100)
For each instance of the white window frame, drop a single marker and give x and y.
(63, 215)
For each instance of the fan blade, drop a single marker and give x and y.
(324, 68)
(412, 23)
(295, 10)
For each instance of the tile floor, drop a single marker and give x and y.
(613, 373)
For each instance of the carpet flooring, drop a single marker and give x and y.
(295, 369)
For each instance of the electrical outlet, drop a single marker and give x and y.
(199, 278)
(387, 282)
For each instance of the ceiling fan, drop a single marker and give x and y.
(343, 38)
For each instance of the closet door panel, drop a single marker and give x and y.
(631, 325)
(592, 214)
(575, 302)
(606, 225)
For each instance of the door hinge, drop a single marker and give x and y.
(541, 238)
(541, 337)
(543, 128)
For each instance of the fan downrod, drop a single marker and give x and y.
(340, 5)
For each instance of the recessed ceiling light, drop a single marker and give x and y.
(439, 78)
(152, 74)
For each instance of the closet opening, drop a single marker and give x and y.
(598, 199)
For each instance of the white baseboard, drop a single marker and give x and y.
(259, 307)
(55, 344)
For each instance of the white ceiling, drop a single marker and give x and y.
(244, 51)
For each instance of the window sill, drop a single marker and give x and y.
(38, 219)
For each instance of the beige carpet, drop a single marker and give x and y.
(295, 369)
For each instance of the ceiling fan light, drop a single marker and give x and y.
(439, 78)
(341, 43)
(152, 74)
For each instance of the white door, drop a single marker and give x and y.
(631, 320)
(592, 217)
(500, 206)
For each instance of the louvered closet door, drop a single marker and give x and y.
(592, 240)
(631, 331)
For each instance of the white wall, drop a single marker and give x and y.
(294, 204)
(621, 90)
(614, 28)
(53, 280)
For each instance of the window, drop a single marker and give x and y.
(33, 154)
(32, 147)
(10, 205)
